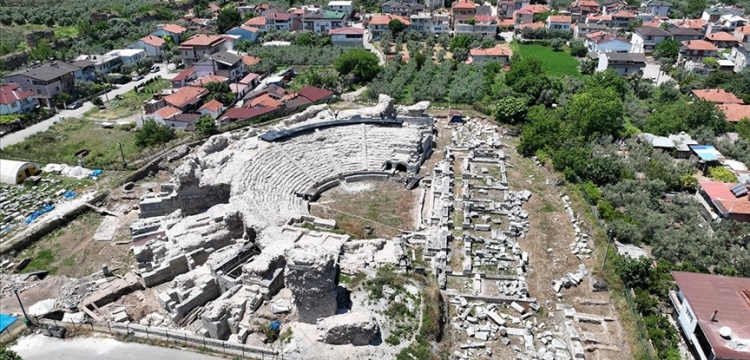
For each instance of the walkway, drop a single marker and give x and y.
(366, 42)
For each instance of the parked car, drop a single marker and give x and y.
(136, 76)
(155, 69)
(74, 105)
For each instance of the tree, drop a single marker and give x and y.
(41, 52)
(219, 91)
(511, 110)
(596, 113)
(471, 21)
(97, 101)
(587, 67)
(557, 44)
(145, 63)
(206, 125)
(577, 48)
(358, 62)
(722, 174)
(8, 354)
(61, 99)
(227, 19)
(743, 128)
(153, 133)
(667, 50)
(396, 26)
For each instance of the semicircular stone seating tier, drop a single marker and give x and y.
(273, 176)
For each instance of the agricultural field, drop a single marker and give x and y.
(553, 62)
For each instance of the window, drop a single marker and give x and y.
(38, 91)
(57, 88)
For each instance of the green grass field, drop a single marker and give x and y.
(553, 62)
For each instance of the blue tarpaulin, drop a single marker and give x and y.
(37, 213)
(70, 194)
(96, 173)
(6, 320)
(275, 325)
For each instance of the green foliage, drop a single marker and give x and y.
(553, 62)
(577, 48)
(591, 191)
(743, 128)
(667, 50)
(396, 26)
(557, 44)
(511, 110)
(153, 133)
(206, 125)
(722, 174)
(97, 101)
(219, 91)
(362, 64)
(596, 113)
(8, 354)
(41, 52)
(228, 18)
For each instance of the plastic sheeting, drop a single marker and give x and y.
(38, 213)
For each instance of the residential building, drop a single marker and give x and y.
(199, 47)
(295, 17)
(526, 14)
(728, 23)
(580, 30)
(622, 19)
(245, 33)
(434, 23)
(378, 24)
(715, 12)
(315, 94)
(258, 22)
(601, 19)
(241, 114)
(296, 101)
(174, 31)
(13, 100)
(250, 80)
(186, 98)
(485, 25)
(602, 41)
(321, 21)
(154, 46)
(462, 11)
(742, 33)
(644, 39)
(277, 20)
(46, 80)
(558, 22)
(342, 6)
(740, 55)
(717, 96)
(735, 112)
(696, 50)
(214, 108)
(684, 34)
(226, 64)
(580, 9)
(91, 65)
(401, 8)
(506, 8)
(712, 312)
(658, 8)
(128, 56)
(722, 40)
(499, 53)
(204, 80)
(622, 63)
(347, 36)
(86, 69)
(182, 121)
(695, 24)
(163, 113)
(183, 78)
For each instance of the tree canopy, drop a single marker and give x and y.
(362, 64)
(153, 133)
(227, 19)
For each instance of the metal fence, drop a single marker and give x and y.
(171, 336)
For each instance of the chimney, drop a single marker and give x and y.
(713, 317)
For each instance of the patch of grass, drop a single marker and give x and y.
(286, 335)
(42, 261)
(547, 207)
(352, 281)
(8, 119)
(553, 62)
(64, 32)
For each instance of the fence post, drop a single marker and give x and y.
(223, 347)
(147, 327)
(185, 338)
(109, 326)
(167, 332)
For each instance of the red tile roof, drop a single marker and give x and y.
(185, 96)
(721, 195)
(248, 60)
(347, 31)
(586, 3)
(701, 45)
(735, 112)
(153, 40)
(385, 19)
(597, 18)
(207, 79)
(624, 14)
(249, 78)
(238, 114)
(256, 21)
(604, 36)
(12, 93)
(719, 96)
(184, 74)
(314, 94)
(533, 9)
(464, 5)
(174, 29)
(167, 112)
(494, 51)
(728, 297)
(743, 30)
(213, 105)
(203, 40)
(559, 19)
(278, 16)
(696, 24)
(264, 100)
(721, 36)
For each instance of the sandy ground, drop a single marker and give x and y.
(38, 347)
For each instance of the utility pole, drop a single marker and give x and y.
(122, 155)
(22, 309)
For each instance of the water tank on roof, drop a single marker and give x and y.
(725, 332)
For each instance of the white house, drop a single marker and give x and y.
(645, 38)
(128, 56)
(341, 6)
(434, 23)
(622, 63)
(657, 8)
(15, 101)
(213, 108)
(348, 36)
(176, 32)
(558, 22)
(154, 46)
(602, 41)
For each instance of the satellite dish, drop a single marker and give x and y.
(725, 332)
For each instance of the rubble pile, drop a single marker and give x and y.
(570, 279)
(579, 247)
(356, 328)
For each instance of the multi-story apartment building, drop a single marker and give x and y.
(198, 47)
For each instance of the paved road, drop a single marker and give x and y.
(39, 347)
(653, 71)
(18, 136)
(366, 41)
